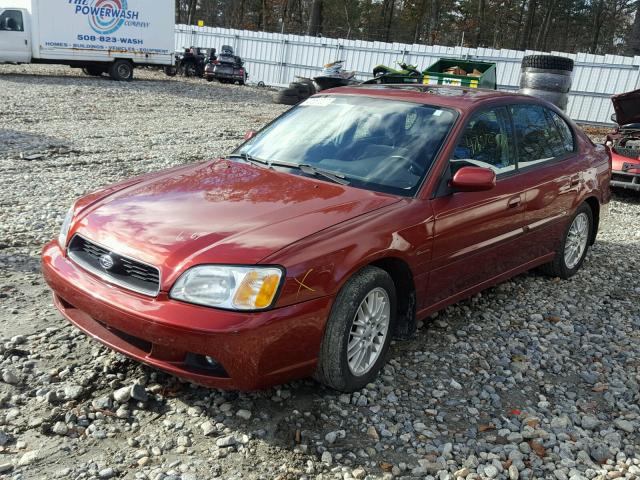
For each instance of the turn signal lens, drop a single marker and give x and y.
(257, 290)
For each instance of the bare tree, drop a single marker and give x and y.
(315, 19)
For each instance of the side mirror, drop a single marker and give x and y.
(614, 118)
(249, 134)
(473, 179)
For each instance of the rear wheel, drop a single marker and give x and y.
(574, 245)
(121, 70)
(190, 70)
(358, 331)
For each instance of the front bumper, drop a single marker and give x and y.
(251, 350)
(625, 180)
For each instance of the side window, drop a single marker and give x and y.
(11, 20)
(486, 142)
(566, 135)
(538, 136)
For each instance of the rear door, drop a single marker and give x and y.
(14, 37)
(476, 233)
(550, 171)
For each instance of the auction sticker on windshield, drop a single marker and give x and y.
(318, 101)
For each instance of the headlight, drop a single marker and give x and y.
(233, 288)
(64, 230)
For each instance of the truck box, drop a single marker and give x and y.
(87, 33)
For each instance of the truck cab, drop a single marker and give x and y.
(15, 36)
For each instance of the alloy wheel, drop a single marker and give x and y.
(369, 330)
(577, 239)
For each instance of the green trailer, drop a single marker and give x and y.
(436, 75)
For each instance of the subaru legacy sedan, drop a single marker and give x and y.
(328, 233)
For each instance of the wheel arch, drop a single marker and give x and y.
(594, 205)
(402, 277)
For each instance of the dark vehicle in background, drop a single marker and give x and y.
(226, 68)
(189, 63)
(624, 143)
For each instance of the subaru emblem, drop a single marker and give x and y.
(106, 261)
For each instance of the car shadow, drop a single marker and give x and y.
(627, 196)
(13, 142)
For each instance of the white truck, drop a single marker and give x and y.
(99, 36)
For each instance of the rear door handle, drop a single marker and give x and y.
(514, 202)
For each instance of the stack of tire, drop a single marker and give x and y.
(547, 77)
(296, 92)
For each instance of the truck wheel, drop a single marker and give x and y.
(93, 71)
(358, 331)
(121, 70)
(170, 71)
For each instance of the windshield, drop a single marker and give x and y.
(377, 144)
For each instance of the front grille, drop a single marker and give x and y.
(114, 268)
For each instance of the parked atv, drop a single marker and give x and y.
(405, 70)
(624, 143)
(226, 68)
(189, 63)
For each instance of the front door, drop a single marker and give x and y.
(476, 233)
(14, 37)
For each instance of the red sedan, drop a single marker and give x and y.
(328, 233)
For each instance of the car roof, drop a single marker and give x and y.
(438, 95)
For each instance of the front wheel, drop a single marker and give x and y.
(358, 331)
(574, 245)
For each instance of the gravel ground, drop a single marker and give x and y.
(535, 378)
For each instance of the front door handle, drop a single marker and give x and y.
(514, 202)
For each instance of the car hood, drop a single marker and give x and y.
(627, 107)
(217, 212)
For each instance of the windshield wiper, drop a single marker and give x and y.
(333, 176)
(249, 159)
(303, 167)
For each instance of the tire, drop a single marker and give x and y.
(558, 99)
(93, 71)
(121, 70)
(545, 80)
(190, 70)
(309, 83)
(170, 71)
(559, 267)
(209, 79)
(302, 88)
(548, 62)
(334, 368)
(286, 99)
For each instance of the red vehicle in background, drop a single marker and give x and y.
(624, 142)
(328, 233)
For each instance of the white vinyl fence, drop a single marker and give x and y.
(276, 59)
